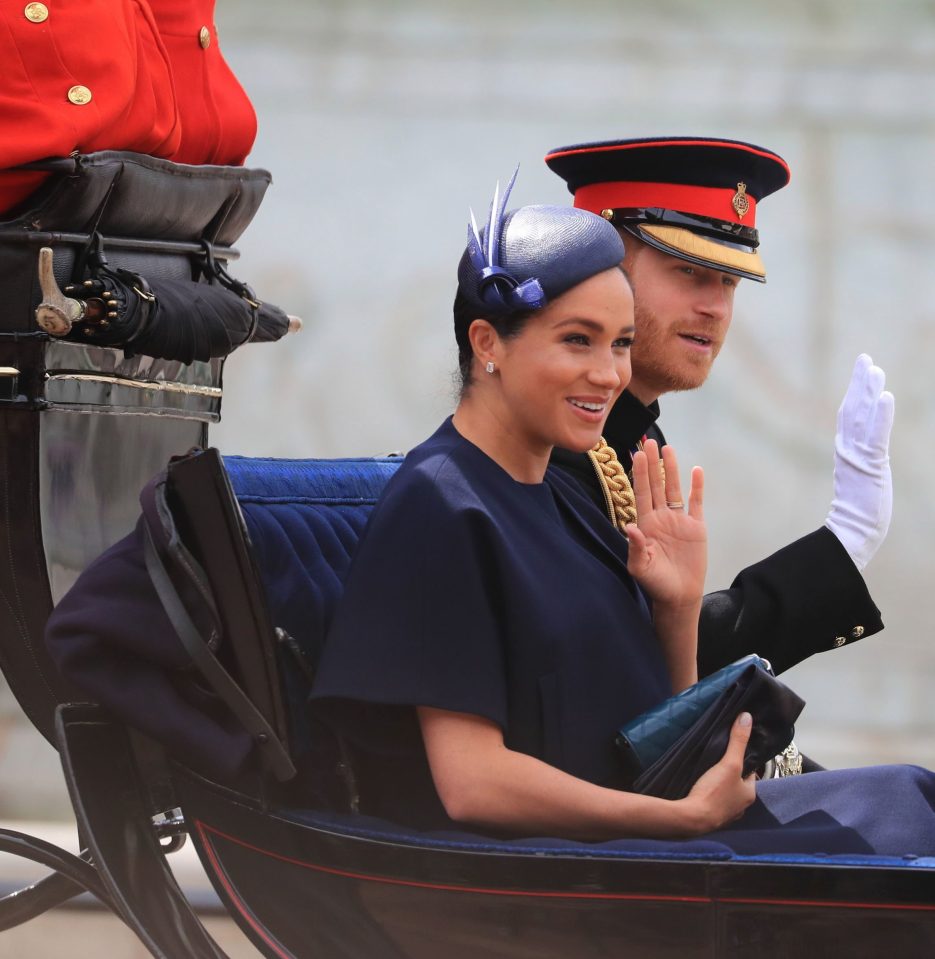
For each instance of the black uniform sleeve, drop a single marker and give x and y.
(805, 598)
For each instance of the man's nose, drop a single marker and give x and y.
(715, 301)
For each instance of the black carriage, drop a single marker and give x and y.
(301, 871)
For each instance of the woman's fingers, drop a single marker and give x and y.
(641, 489)
(722, 793)
(657, 482)
(739, 737)
(696, 496)
(673, 482)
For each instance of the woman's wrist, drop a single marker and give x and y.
(676, 628)
(694, 817)
(671, 818)
(688, 607)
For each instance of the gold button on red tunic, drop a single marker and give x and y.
(37, 12)
(79, 95)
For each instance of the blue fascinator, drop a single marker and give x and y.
(527, 257)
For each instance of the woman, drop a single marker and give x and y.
(491, 637)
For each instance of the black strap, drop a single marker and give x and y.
(271, 749)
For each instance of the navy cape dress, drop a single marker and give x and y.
(472, 592)
(475, 593)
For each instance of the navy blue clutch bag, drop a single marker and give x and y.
(666, 749)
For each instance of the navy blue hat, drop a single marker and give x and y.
(691, 197)
(532, 255)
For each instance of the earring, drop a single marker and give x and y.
(490, 367)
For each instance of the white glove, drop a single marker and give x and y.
(863, 485)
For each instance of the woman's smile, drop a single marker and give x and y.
(590, 410)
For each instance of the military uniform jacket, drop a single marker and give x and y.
(807, 597)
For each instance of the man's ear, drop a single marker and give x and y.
(484, 342)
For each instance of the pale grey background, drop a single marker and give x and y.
(383, 121)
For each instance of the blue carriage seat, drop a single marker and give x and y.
(305, 518)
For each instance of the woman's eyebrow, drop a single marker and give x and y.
(592, 325)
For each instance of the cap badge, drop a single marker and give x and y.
(739, 201)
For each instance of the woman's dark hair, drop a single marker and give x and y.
(464, 315)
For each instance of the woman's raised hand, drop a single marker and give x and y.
(668, 546)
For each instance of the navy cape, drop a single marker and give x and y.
(472, 592)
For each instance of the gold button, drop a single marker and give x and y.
(79, 95)
(857, 632)
(607, 214)
(839, 641)
(204, 38)
(37, 12)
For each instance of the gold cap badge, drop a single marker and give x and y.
(739, 201)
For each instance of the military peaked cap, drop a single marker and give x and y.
(691, 197)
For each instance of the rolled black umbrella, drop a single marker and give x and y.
(170, 319)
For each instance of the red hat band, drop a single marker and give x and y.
(718, 203)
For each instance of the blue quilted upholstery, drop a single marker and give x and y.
(305, 518)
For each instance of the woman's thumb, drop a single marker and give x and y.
(637, 546)
(740, 733)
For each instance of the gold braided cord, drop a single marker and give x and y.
(621, 503)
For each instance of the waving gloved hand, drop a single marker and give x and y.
(863, 485)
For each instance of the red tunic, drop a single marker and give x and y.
(115, 75)
(217, 118)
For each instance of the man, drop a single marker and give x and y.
(686, 210)
(146, 76)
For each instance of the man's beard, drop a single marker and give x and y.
(655, 367)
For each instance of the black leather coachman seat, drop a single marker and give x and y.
(82, 428)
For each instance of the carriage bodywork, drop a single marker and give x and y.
(85, 428)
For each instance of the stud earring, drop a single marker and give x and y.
(490, 367)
